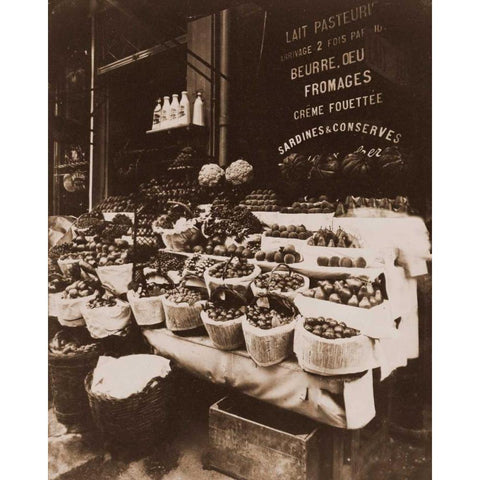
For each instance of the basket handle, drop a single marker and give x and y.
(227, 263)
(277, 267)
(180, 204)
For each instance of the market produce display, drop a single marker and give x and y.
(163, 262)
(81, 288)
(171, 190)
(391, 162)
(122, 219)
(221, 313)
(318, 204)
(356, 165)
(150, 289)
(239, 172)
(197, 264)
(117, 203)
(184, 161)
(398, 204)
(262, 201)
(352, 291)
(287, 254)
(238, 267)
(324, 166)
(346, 262)
(288, 231)
(280, 282)
(329, 328)
(326, 237)
(266, 317)
(57, 283)
(182, 294)
(295, 168)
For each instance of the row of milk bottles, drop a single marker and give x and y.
(177, 113)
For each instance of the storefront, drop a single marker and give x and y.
(258, 183)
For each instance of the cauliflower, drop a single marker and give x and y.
(210, 175)
(239, 172)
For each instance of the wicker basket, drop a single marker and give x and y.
(67, 374)
(140, 419)
(224, 335)
(182, 316)
(341, 356)
(146, 310)
(268, 347)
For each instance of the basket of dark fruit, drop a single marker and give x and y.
(182, 307)
(106, 315)
(222, 317)
(145, 299)
(236, 273)
(325, 346)
(268, 329)
(285, 282)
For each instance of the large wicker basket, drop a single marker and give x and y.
(140, 419)
(226, 335)
(182, 316)
(67, 374)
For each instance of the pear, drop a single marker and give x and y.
(337, 286)
(309, 293)
(373, 302)
(310, 242)
(345, 294)
(354, 284)
(370, 290)
(378, 296)
(321, 241)
(320, 294)
(331, 243)
(340, 210)
(365, 303)
(328, 289)
(362, 292)
(353, 301)
(334, 298)
(341, 243)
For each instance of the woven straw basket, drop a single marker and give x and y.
(224, 335)
(182, 316)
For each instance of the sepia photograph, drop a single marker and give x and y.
(239, 240)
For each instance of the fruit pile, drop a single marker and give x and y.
(151, 289)
(63, 344)
(99, 252)
(266, 318)
(166, 261)
(57, 251)
(238, 267)
(352, 291)
(326, 237)
(280, 282)
(80, 289)
(171, 190)
(118, 203)
(222, 313)
(99, 302)
(399, 204)
(184, 160)
(144, 225)
(216, 246)
(286, 254)
(57, 283)
(288, 231)
(121, 219)
(262, 201)
(319, 204)
(345, 262)
(183, 294)
(88, 220)
(329, 328)
(197, 264)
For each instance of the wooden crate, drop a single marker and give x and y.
(251, 440)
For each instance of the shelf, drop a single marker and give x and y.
(180, 129)
(72, 165)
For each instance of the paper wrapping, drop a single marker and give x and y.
(238, 284)
(146, 310)
(341, 356)
(116, 277)
(270, 346)
(105, 321)
(69, 310)
(226, 335)
(182, 316)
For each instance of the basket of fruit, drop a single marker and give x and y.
(73, 298)
(285, 283)
(178, 231)
(116, 274)
(325, 346)
(182, 307)
(268, 329)
(56, 285)
(145, 299)
(359, 302)
(70, 357)
(106, 315)
(236, 273)
(222, 317)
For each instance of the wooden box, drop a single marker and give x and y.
(251, 440)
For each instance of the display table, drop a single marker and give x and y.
(341, 401)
